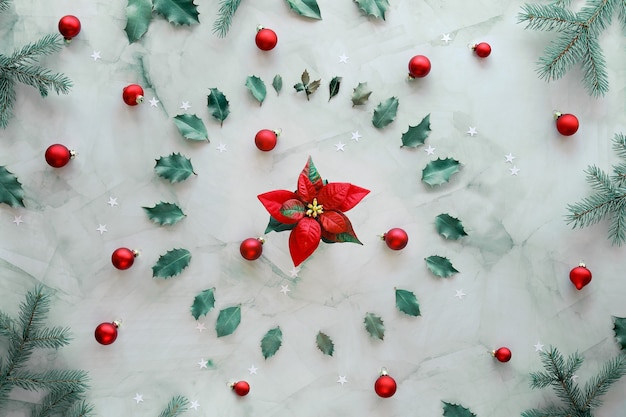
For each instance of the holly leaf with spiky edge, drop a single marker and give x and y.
(455, 410)
(306, 85)
(385, 112)
(360, 94)
(228, 320)
(376, 8)
(218, 105)
(191, 127)
(407, 303)
(440, 266)
(306, 8)
(276, 226)
(439, 171)
(171, 263)
(325, 343)
(619, 327)
(271, 342)
(138, 17)
(174, 168)
(374, 326)
(11, 191)
(277, 83)
(165, 214)
(177, 12)
(175, 407)
(257, 88)
(203, 303)
(333, 87)
(449, 227)
(416, 135)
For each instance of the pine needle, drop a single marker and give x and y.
(4, 5)
(225, 17)
(175, 407)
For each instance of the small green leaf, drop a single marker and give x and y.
(256, 87)
(171, 263)
(218, 105)
(325, 344)
(299, 87)
(376, 8)
(276, 226)
(449, 227)
(333, 88)
(385, 112)
(228, 320)
(440, 266)
(165, 214)
(191, 127)
(277, 83)
(306, 8)
(439, 171)
(11, 191)
(374, 326)
(138, 17)
(454, 410)
(312, 87)
(416, 135)
(203, 303)
(620, 331)
(407, 303)
(174, 168)
(178, 12)
(271, 342)
(360, 94)
(305, 77)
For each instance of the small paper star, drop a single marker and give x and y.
(509, 157)
(343, 59)
(185, 105)
(446, 38)
(96, 55)
(342, 380)
(514, 170)
(538, 347)
(154, 102)
(203, 363)
(194, 405)
(221, 148)
(252, 369)
(460, 294)
(340, 146)
(138, 398)
(472, 131)
(356, 136)
(284, 289)
(102, 228)
(574, 378)
(17, 220)
(200, 327)
(112, 202)
(430, 150)
(294, 272)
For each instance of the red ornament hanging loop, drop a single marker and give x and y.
(567, 124)
(580, 276)
(132, 94)
(251, 248)
(385, 386)
(483, 49)
(265, 39)
(266, 139)
(419, 67)
(123, 258)
(241, 388)
(502, 354)
(106, 333)
(58, 155)
(69, 27)
(396, 238)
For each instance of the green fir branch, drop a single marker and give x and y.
(80, 409)
(600, 384)
(47, 45)
(56, 380)
(225, 17)
(57, 403)
(175, 407)
(4, 5)
(50, 338)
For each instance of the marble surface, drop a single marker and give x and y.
(513, 265)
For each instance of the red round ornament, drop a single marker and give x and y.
(58, 155)
(580, 276)
(396, 238)
(266, 139)
(251, 248)
(241, 388)
(419, 66)
(69, 26)
(502, 354)
(482, 49)
(123, 258)
(132, 94)
(385, 386)
(106, 333)
(567, 124)
(266, 39)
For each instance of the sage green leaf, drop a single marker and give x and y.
(449, 227)
(407, 303)
(439, 171)
(257, 88)
(385, 112)
(619, 327)
(11, 191)
(218, 105)
(203, 303)
(306, 8)
(178, 12)
(165, 214)
(312, 87)
(276, 226)
(333, 88)
(228, 320)
(305, 77)
(171, 263)
(376, 8)
(374, 326)
(325, 344)
(440, 266)
(360, 94)
(299, 87)
(271, 342)
(138, 17)
(454, 410)
(174, 168)
(416, 135)
(191, 127)
(277, 83)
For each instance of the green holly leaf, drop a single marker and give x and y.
(360, 94)
(407, 303)
(191, 127)
(276, 226)
(218, 105)
(277, 83)
(454, 410)
(374, 326)
(333, 88)
(376, 8)
(619, 327)
(228, 320)
(165, 214)
(416, 135)
(439, 171)
(171, 263)
(138, 17)
(325, 344)
(449, 227)
(178, 12)
(440, 266)
(306, 8)
(203, 303)
(174, 168)
(306, 85)
(271, 342)
(385, 112)
(11, 191)
(257, 88)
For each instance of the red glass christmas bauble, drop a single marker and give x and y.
(396, 238)
(580, 276)
(385, 386)
(123, 258)
(266, 39)
(251, 248)
(58, 155)
(482, 49)
(266, 139)
(132, 94)
(502, 354)
(106, 333)
(241, 388)
(567, 124)
(419, 66)
(69, 27)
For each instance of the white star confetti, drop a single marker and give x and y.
(17, 220)
(538, 347)
(430, 150)
(203, 363)
(185, 105)
(574, 378)
(96, 55)
(446, 38)
(284, 289)
(194, 405)
(509, 158)
(221, 148)
(112, 202)
(138, 398)
(102, 228)
(343, 58)
(514, 170)
(356, 136)
(154, 102)
(294, 272)
(472, 131)
(342, 380)
(460, 294)
(200, 327)
(340, 146)
(252, 369)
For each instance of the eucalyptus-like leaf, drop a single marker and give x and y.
(191, 127)
(449, 227)
(385, 112)
(306, 8)
(256, 87)
(165, 214)
(218, 105)
(439, 171)
(171, 263)
(203, 303)
(11, 191)
(174, 168)
(360, 94)
(440, 266)
(138, 17)
(228, 320)
(374, 326)
(416, 135)
(333, 87)
(177, 12)
(407, 303)
(271, 342)
(277, 83)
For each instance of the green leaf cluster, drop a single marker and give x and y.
(306, 85)
(139, 15)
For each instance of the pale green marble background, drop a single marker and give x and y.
(514, 264)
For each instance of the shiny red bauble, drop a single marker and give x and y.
(106, 333)
(69, 27)
(123, 258)
(266, 39)
(419, 66)
(241, 388)
(396, 238)
(266, 139)
(482, 49)
(566, 124)
(251, 248)
(385, 386)
(132, 94)
(58, 155)
(502, 354)
(580, 276)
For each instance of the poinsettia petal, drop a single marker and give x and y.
(355, 195)
(304, 239)
(333, 222)
(333, 194)
(274, 200)
(293, 209)
(311, 173)
(306, 189)
(347, 236)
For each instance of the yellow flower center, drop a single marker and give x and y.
(314, 209)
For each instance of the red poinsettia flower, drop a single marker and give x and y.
(314, 212)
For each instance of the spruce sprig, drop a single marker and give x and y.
(175, 407)
(4, 5)
(225, 17)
